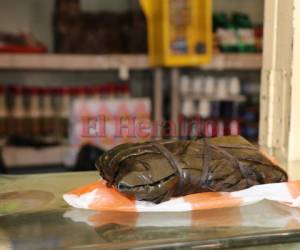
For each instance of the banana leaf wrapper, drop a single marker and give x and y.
(158, 170)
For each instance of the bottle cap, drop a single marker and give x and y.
(103, 89)
(17, 90)
(185, 84)
(197, 85)
(91, 90)
(188, 108)
(78, 90)
(99, 89)
(204, 109)
(45, 91)
(110, 89)
(222, 89)
(65, 90)
(122, 88)
(234, 86)
(33, 90)
(209, 86)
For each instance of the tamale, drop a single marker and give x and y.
(158, 170)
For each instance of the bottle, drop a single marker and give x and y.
(220, 128)
(209, 86)
(111, 91)
(94, 93)
(47, 117)
(34, 112)
(204, 109)
(103, 92)
(187, 113)
(234, 86)
(185, 85)
(79, 102)
(82, 114)
(216, 119)
(216, 125)
(3, 113)
(124, 91)
(18, 112)
(198, 85)
(106, 117)
(64, 112)
(204, 112)
(234, 127)
(234, 90)
(188, 107)
(57, 103)
(221, 88)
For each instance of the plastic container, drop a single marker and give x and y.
(179, 31)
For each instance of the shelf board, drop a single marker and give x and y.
(235, 61)
(229, 98)
(68, 62)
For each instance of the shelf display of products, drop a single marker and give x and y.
(109, 122)
(45, 111)
(98, 32)
(250, 110)
(115, 41)
(125, 32)
(216, 106)
(237, 34)
(52, 122)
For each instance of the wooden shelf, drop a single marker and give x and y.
(235, 62)
(195, 97)
(66, 62)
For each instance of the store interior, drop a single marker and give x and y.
(64, 60)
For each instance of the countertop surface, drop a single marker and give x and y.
(33, 215)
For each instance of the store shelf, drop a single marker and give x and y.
(22, 157)
(229, 98)
(72, 62)
(110, 62)
(235, 62)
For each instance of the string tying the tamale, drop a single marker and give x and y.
(157, 171)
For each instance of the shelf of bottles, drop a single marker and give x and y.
(45, 111)
(216, 106)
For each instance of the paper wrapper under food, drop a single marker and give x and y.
(97, 196)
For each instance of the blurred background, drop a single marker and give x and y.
(163, 62)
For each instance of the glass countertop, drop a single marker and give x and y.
(33, 215)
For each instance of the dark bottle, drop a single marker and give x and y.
(3, 113)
